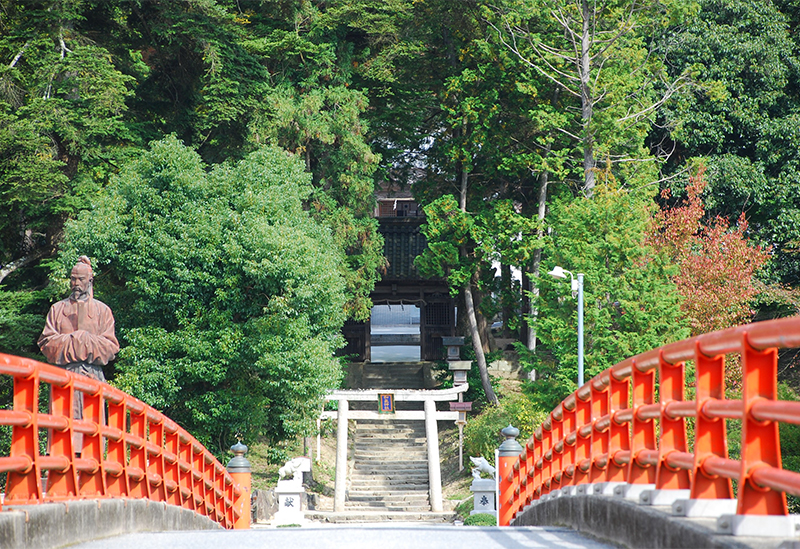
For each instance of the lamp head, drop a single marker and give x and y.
(558, 272)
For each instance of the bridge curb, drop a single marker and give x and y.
(52, 525)
(632, 525)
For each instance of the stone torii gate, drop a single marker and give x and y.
(429, 414)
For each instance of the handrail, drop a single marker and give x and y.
(615, 429)
(136, 453)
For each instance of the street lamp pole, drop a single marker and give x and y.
(576, 286)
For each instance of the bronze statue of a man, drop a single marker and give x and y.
(79, 332)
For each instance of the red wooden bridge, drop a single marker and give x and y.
(628, 425)
(137, 453)
(625, 429)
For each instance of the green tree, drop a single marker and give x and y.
(62, 107)
(311, 108)
(743, 119)
(459, 242)
(603, 59)
(228, 296)
(631, 304)
(80, 82)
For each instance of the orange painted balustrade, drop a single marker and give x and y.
(628, 424)
(136, 453)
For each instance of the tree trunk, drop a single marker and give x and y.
(532, 275)
(537, 262)
(528, 311)
(472, 320)
(587, 102)
(24, 261)
(477, 346)
(484, 331)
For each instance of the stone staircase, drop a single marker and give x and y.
(387, 478)
(390, 467)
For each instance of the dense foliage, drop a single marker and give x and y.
(534, 134)
(227, 294)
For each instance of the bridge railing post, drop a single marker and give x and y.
(600, 401)
(570, 447)
(761, 445)
(643, 430)
(583, 440)
(510, 451)
(672, 384)
(710, 439)
(619, 441)
(239, 469)
(92, 483)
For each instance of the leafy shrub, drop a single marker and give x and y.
(480, 519)
(482, 433)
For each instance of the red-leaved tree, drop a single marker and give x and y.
(717, 265)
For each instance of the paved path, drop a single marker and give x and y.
(366, 536)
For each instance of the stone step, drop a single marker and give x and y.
(393, 374)
(401, 436)
(385, 441)
(389, 484)
(369, 482)
(390, 371)
(388, 423)
(383, 480)
(413, 498)
(393, 434)
(389, 508)
(419, 428)
(397, 447)
(374, 491)
(401, 462)
(357, 516)
(404, 382)
(411, 438)
(391, 377)
(373, 469)
(395, 458)
(391, 445)
(390, 474)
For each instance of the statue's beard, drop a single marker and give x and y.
(79, 295)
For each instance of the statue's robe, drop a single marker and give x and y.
(79, 331)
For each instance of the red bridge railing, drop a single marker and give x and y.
(137, 453)
(618, 428)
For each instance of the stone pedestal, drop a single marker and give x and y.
(484, 494)
(290, 495)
